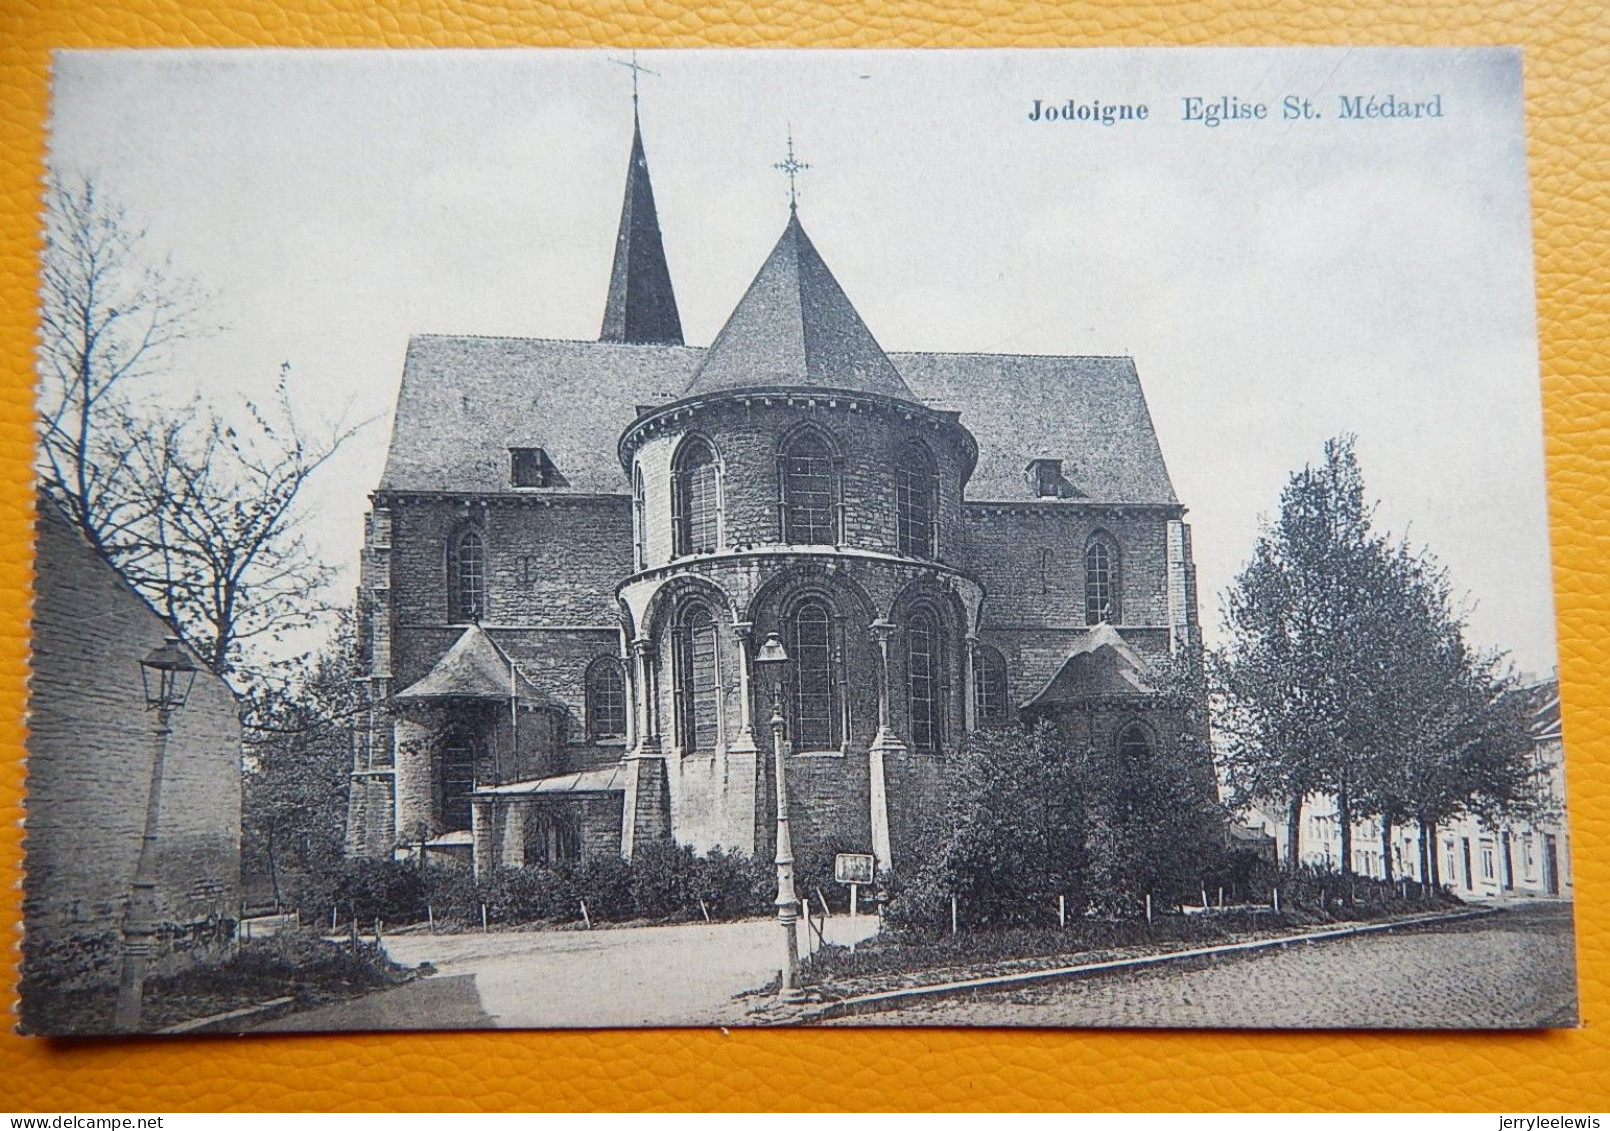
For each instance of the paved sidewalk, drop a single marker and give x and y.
(429, 1003)
(686, 974)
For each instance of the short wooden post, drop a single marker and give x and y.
(955, 923)
(1062, 911)
(430, 914)
(1275, 894)
(586, 918)
(354, 934)
(1221, 897)
(822, 899)
(1148, 909)
(1204, 896)
(377, 929)
(483, 917)
(704, 908)
(333, 924)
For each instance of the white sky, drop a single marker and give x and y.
(1277, 282)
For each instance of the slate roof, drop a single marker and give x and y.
(473, 668)
(465, 401)
(641, 306)
(795, 326)
(1102, 665)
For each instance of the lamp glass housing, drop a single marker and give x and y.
(168, 673)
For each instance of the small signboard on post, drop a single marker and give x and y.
(855, 869)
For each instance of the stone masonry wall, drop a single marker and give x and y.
(90, 751)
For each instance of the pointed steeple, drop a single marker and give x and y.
(641, 306)
(795, 326)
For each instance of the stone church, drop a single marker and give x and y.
(577, 548)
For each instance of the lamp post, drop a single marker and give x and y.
(773, 659)
(168, 673)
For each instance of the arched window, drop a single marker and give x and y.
(696, 684)
(915, 506)
(815, 699)
(923, 673)
(697, 499)
(466, 578)
(457, 770)
(639, 520)
(1134, 743)
(809, 491)
(606, 699)
(1101, 581)
(989, 684)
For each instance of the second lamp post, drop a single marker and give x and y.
(773, 660)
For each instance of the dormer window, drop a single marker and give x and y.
(531, 467)
(1045, 475)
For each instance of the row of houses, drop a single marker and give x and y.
(1476, 859)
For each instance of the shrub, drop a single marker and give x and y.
(392, 890)
(665, 881)
(734, 884)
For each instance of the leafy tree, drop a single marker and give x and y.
(1302, 666)
(299, 730)
(1348, 673)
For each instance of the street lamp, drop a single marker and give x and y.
(168, 674)
(773, 659)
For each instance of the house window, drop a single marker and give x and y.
(815, 694)
(606, 700)
(466, 597)
(531, 467)
(989, 684)
(1489, 861)
(923, 676)
(1101, 581)
(697, 511)
(457, 783)
(914, 501)
(809, 495)
(1529, 856)
(1134, 744)
(696, 685)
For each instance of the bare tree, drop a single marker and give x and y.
(223, 553)
(197, 510)
(111, 311)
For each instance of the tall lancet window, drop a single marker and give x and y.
(810, 491)
(915, 502)
(457, 770)
(812, 648)
(1101, 581)
(923, 675)
(639, 520)
(606, 700)
(466, 578)
(989, 684)
(696, 682)
(697, 503)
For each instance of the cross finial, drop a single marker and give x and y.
(636, 69)
(792, 168)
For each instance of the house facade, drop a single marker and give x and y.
(577, 548)
(1476, 859)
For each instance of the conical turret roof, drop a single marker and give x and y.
(795, 326)
(641, 306)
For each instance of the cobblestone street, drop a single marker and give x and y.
(1511, 970)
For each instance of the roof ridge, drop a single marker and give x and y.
(1129, 357)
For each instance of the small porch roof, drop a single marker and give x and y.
(475, 668)
(606, 779)
(1103, 665)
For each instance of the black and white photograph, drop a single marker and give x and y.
(594, 539)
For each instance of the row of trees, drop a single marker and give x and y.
(1347, 673)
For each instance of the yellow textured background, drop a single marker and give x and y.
(1568, 106)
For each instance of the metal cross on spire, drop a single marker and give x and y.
(636, 69)
(792, 168)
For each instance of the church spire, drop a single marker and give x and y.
(641, 306)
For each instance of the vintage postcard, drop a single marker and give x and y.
(688, 538)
